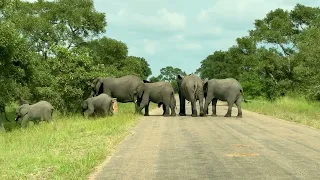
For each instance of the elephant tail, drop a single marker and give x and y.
(195, 90)
(244, 100)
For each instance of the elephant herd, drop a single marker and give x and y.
(105, 91)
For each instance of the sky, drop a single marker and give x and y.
(182, 33)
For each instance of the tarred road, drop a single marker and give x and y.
(254, 147)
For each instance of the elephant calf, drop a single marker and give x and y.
(161, 93)
(228, 89)
(41, 110)
(102, 102)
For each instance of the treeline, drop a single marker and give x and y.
(279, 56)
(169, 74)
(51, 50)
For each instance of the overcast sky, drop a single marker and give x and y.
(182, 33)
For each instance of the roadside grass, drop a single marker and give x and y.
(295, 109)
(69, 149)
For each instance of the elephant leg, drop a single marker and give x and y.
(173, 107)
(206, 103)
(90, 112)
(48, 116)
(164, 109)
(167, 110)
(36, 122)
(202, 113)
(136, 107)
(230, 103)
(238, 103)
(214, 106)
(25, 121)
(146, 109)
(194, 107)
(106, 111)
(182, 105)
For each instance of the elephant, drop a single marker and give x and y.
(102, 102)
(121, 88)
(161, 93)
(3, 110)
(190, 88)
(41, 110)
(228, 89)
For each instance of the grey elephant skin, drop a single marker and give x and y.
(161, 93)
(101, 103)
(122, 88)
(228, 89)
(191, 89)
(41, 110)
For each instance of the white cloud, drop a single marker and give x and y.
(163, 20)
(150, 46)
(175, 20)
(121, 11)
(240, 10)
(189, 46)
(179, 36)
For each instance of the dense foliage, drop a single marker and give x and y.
(51, 50)
(169, 74)
(280, 55)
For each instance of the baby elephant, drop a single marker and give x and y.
(102, 102)
(41, 110)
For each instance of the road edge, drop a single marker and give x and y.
(98, 168)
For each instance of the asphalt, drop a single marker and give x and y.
(252, 147)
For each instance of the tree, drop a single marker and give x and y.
(154, 79)
(65, 23)
(137, 66)
(278, 56)
(108, 51)
(15, 60)
(169, 74)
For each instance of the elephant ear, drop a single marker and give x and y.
(205, 80)
(84, 104)
(140, 90)
(23, 109)
(99, 87)
(205, 86)
(179, 79)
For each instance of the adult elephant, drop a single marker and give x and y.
(228, 89)
(161, 93)
(122, 88)
(191, 89)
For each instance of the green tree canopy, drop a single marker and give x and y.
(278, 56)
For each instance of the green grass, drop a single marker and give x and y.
(296, 109)
(69, 149)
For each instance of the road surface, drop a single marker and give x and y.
(254, 147)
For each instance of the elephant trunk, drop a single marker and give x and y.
(17, 117)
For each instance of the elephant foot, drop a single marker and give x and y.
(139, 113)
(173, 114)
(227, 115)
(194, 115)
(146, 114)
(214, 115)
(182, 114)
(166, 115)
(203, 114)
(239, 116)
